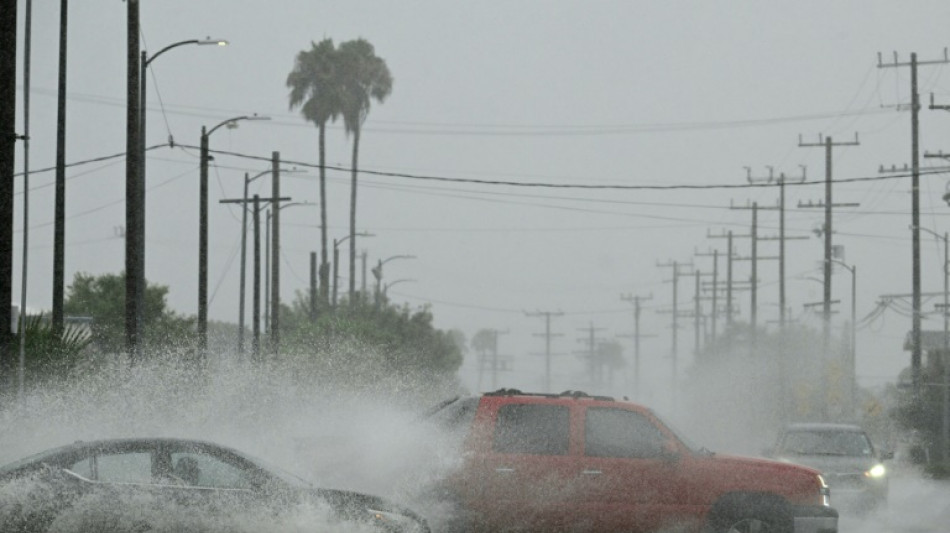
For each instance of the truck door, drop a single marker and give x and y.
(527, 473)
(627, 470)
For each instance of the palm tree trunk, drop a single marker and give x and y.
(324, 263)
(356, 151)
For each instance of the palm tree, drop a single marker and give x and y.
(314, 88)
(364, 77)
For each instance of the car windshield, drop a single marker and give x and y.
(678, 434)
(827, 442)
(36, 458)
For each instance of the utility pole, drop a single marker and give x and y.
(636, 336)
(8, 138)
(945, 360)
(754, 278)
(134, 193)
(827, 229)
(547, 342)
(593, 364)
(915, 204)
(674, 349)
(782, 238)
(275, 255)
(255, 202)
(731, 285)
(494, 360)
(714, 311)
(59, 217)
(313, 286)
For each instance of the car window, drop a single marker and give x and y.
(202, 470)
(823, 442)
(132, 467)
(612, 432)
(83, 468)
(532, 429)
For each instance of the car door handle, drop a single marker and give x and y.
(504, 470)
(591, 472)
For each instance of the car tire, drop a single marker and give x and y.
(747, 525)
(753, 515)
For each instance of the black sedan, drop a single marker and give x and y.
(130, 481)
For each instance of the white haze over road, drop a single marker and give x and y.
(621, 94)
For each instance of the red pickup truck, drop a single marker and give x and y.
(574, 462)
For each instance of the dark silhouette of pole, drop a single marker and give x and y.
(313, 286)
(27, 38)
(8, 137)
(135, 223)
(204, 158)
(256, 320)
(59, 216)
(275, 253)
(915, 207)
(547, 343)
(255, 202)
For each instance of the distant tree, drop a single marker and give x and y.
(102, 298)
(364, 345)
(315, 89)
(364, 77)
(49, 354)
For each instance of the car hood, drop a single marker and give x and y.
(833, 463)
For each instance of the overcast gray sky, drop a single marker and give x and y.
(683, 93)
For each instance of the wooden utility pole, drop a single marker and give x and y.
(915, 204)
(754, 258)
(134, 194)
(674, 355)
(255, 202)
(781, 180)
(714, 311)
(636, 336)
(827, 229)
(593, 364)
(8, 138)
(547, 342)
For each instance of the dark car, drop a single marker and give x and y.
(130, 477)
(844, 454)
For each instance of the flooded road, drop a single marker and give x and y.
(915, 506)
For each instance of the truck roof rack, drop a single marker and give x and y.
(566, 394)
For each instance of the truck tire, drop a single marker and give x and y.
(750, 514)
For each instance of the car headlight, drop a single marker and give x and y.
(391, 521)
(824, 491)
(876, 471)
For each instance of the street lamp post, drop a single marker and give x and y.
(140, 192)
(388, 285)
(203, 230)
(378, 274)
(336, 261)
(852, 368)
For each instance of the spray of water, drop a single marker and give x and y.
(338, 433)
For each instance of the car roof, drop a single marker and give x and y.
(823, 426)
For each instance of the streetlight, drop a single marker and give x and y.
(378, 273)
(336, 261)
(852, 365)
(135, 190)
(145, 62)
(388, 285)
(203, 229)
(945, 360)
